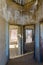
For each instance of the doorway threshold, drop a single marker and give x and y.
(23, 55)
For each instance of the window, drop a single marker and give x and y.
(28, 36)
(13, 35)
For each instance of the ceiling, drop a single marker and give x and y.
(22, 5)
(21, 13)
(15, 13)
(22, 2)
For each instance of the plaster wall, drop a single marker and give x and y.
(3, 57)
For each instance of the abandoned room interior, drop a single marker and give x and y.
(21, 32)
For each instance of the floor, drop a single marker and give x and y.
(13, 52)
(24, 60)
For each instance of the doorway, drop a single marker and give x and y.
(21, 39)
(29, 39)
(13, 41)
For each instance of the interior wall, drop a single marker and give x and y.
(37, 45)
(3, 58)
(7, 40)
(39, 16)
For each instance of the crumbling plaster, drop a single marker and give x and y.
(11, 15)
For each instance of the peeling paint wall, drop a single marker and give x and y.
(39, 13)
(10, 14)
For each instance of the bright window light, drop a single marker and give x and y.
(11, 46)
(13, 35)
(17, 46)
(28, 36)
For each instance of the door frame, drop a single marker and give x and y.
(8, 37)
(24, 36)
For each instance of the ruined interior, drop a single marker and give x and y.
(21, 32)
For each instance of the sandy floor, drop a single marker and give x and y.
(24, 60)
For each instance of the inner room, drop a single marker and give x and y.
(29, 38)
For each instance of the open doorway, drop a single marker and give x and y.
(29, 38)
(13, 41)
(21, 40)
